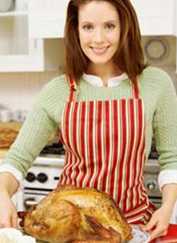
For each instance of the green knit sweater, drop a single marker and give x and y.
(160, 102)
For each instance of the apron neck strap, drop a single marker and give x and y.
(73, 88)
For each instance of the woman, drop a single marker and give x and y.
(105, 107)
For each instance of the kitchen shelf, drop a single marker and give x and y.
(13, 14)
(156, 17)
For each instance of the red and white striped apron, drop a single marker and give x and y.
(105, 149)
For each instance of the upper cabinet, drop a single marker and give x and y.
(47, 17)
(21, 53)
(156, 17)
(18, 53)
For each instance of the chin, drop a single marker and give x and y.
(100, 60)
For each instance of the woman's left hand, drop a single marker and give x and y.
(159, 222)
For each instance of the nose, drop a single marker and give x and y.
(98, 35)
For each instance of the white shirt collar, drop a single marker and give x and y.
(97, 81)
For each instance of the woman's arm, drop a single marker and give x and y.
(8, 183)
(8, 213)
(165, 130)
(41, 123)
(159, 222)
(169, 195)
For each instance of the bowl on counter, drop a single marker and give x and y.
(12, 235)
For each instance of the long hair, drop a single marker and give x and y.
(129, 56)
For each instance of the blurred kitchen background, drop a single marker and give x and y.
(31, 54)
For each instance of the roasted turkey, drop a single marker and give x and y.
(75, 215)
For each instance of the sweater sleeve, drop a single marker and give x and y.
(33, 136)
(165, 125)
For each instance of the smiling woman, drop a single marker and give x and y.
(106, 108)
(97, 31)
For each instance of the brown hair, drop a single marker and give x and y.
(129, 56)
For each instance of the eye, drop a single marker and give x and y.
(87, 27)
(110, 26)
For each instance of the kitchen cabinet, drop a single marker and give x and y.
(47, 18)
(18, 53)
(156, 17)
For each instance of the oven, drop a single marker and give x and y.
(41, 179)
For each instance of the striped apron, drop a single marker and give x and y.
(105, 149)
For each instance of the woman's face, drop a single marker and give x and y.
(99, 31)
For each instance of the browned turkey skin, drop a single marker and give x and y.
(76, 215)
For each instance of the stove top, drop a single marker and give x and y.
(54, 148)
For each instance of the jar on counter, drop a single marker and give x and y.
(19, 115)
(5, 115)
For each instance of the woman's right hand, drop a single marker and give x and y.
(8, 213)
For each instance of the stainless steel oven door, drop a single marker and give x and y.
(32, 198)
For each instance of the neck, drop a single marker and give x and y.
(104, 71)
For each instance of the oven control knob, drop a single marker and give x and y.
(151, 186)
(42, 177)
(30, 177)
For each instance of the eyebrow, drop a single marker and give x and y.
(108, 21)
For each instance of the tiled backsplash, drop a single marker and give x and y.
(18, 90)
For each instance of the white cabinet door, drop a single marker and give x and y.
(47, 18)
(156, 17)
(18, 53)
(31, 62)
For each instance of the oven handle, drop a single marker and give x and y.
(30, 202)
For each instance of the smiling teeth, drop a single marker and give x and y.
(99, 50)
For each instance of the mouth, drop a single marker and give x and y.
(99, 51)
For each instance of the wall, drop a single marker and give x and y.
(18, 90)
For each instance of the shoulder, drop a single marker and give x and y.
(58, 84)
(155, 79)
(156, 86)
(155, 75)
(55, 89)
